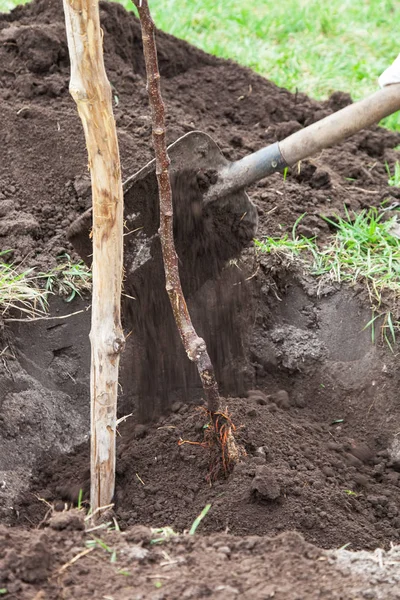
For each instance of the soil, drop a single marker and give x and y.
(314, 401)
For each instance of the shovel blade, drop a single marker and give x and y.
(205, 236)
(155, 368)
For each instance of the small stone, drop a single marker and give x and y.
(176, 406)
(262, 452)
(224, 550)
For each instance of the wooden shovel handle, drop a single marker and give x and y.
(306, 142)
(340, 125)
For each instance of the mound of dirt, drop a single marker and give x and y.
(45, 186)
(56, 564)
(317, 428)
(313, 399)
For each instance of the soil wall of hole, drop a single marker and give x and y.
(317, 421)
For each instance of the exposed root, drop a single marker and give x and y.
(219, 439)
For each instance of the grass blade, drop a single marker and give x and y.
(199, 519)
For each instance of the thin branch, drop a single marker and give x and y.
(194, 345)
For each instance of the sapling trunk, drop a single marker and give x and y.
(221, 431)
(91, 91)
(194, 345)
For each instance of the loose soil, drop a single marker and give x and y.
(314, 401)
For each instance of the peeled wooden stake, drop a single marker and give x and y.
(91, 91)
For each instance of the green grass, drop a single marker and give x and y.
(94, 543)
(364, 249)
(6, 5)
(164, 534)
(20, 288)
(313, 46)
(68, 279)
(199, 519)
(394, 177)
(28, 290)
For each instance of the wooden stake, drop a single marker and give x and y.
(194, 345)
(91, 91)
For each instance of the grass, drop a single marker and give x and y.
(98, 543)
(313, 46)
(21, 289)
(28, 291)
(394, 178)
(164, 534)
(68, 279)
(199, 519)
(364, 249)
(317, 46)
(6, 5)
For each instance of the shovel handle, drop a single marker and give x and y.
(306, 142)
(340, 125)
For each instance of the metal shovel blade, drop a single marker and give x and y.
(206, 236)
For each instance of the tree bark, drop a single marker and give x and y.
(91, 91)
(194, 345)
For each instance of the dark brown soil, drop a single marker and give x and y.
(189, 567)
(314, 401)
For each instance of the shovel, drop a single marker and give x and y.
(214, 218)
